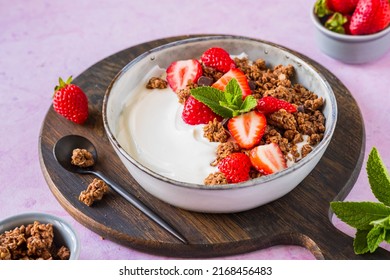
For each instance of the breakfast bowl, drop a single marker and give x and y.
(63, 234)
(152, 168)
(351, 49)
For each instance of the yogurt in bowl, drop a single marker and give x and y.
(164, 142)
(144, 127)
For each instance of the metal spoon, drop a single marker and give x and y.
(63, 152)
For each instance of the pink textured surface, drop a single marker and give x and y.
(42, 40)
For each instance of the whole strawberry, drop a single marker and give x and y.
(235, 167)
(195, 112)
(370, 16)
(327, 7)
(269, 104)
(70, 101)
(218, 59)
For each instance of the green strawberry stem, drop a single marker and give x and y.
(321, 8)
(62, 84)
(336, 23)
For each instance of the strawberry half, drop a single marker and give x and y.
(195, 112)
(180, 72)
(267, 159)
(218, 59)
(269, 104)
(247, 129)
(239, 76)
(235, 167)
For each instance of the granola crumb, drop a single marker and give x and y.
(94, 192)
(183, 94)
(156, 83)
(82, 158)
(217, 178)
(227, 148)
(63, 253)
(215, 132)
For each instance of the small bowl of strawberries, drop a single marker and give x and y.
(352, 31)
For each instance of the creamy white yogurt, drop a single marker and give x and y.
(151, 129)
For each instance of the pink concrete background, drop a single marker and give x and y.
(41, 40)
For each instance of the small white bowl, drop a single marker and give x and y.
(64, 234)
(223, 198)
(351, 49)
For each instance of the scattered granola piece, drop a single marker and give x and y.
(306, 149)
(82, 158)
(283, 119)
(227, 148)
(63, 253)
(215, 132)
(184, 93)
(4, 253)
(217, 178)
(95, 191)
(156, 82)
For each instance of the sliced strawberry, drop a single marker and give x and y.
(270, 104)
(218, 59)
(247, 129)
(195, 112)
(239, 76)
(268, 159)
(180, 72)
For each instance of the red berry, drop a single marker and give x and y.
(70, 102)
(247, 129)
(195, 112)
(370, 16)
(239, 76)
(179, 73)
(268, 159)
(218, 59)
(269, 104)
(235, 167)
(342, 6)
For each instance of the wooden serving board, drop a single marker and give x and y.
(299, 218)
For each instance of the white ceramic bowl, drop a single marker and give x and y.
(64, 234)
(223, 198)
(351, 49)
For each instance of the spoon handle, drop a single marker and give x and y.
(139, 205)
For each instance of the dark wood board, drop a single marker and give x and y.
(299, 218)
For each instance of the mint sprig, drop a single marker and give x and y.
(228, 103)
(371, 219)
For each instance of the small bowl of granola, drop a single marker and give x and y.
(219, 124)
(37, 236)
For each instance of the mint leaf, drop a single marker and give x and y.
(249, 103)
(360, 245)
(375, 237)
(378, 177)
(360, 214)
(212, 97)
(228, 103)
(234, 89)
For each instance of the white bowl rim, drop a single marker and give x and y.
(347, 37)
(252, 182)
(39, 216)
